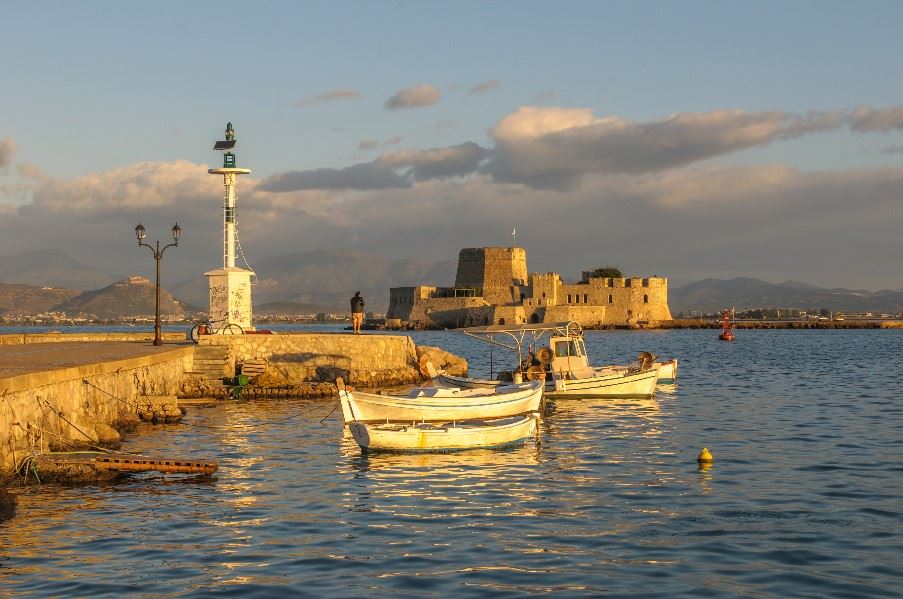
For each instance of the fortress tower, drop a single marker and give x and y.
(497, 273)
(230, 286)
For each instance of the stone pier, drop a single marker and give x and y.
(61, 395)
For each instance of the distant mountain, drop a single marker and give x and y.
(289, 308)
(711, 295)
(18, 299)
(328, 279)
(53, 268)
(134, 296)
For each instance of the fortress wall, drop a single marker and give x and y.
(642, 300)
(545, 288)
(508, 315)
(493, 270)
(402, 300)
(626, 300)
(584, 315)
(36, 405)
(449, 311)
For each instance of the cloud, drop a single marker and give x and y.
(892, 149)
(437, 163)
(339, 94)
(555, 147)
(658, 209)
(866, 119)
(30, 171)
(770, 221)
(487, 86)
(361, 176)
(414, 97)
(7, 151)
(392, 170)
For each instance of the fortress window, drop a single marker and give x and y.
(610, 298)
(501, 321)
(645, 299)
(569, 298)
(584, 298)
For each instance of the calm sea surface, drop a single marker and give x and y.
(803, 500)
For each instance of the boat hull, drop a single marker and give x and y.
(442, 405)
(614, 385)
(448, 437)
(639, 385)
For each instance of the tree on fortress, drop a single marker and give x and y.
(606, 272)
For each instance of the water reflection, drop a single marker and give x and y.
(608, 500)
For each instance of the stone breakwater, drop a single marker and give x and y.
(307, 364)
(65, 396)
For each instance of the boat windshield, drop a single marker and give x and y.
(563, 349)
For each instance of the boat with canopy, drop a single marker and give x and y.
(562, 364)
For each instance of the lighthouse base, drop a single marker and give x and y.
(230, 297)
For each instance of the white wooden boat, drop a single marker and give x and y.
(563, 366)
(441, 404)
(454, 436)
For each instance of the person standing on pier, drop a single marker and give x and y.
(357, 312)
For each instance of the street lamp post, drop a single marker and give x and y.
(158, 255)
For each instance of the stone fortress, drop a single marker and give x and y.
(492, 286)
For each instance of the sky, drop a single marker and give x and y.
(678, 139)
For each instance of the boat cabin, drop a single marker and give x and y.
(568, 355)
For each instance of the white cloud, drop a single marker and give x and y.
(414, 97)
(556, 147)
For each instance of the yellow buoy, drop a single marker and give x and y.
(705, 456)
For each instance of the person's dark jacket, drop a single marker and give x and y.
(357, 304)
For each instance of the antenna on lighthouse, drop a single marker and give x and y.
(230, 287)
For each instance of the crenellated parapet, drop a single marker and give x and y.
(492, 287)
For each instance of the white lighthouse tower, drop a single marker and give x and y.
(230, 286)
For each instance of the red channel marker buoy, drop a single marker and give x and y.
(727, 329)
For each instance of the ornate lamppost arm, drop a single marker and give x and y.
(158, 256)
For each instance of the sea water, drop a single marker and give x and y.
(803, 498)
